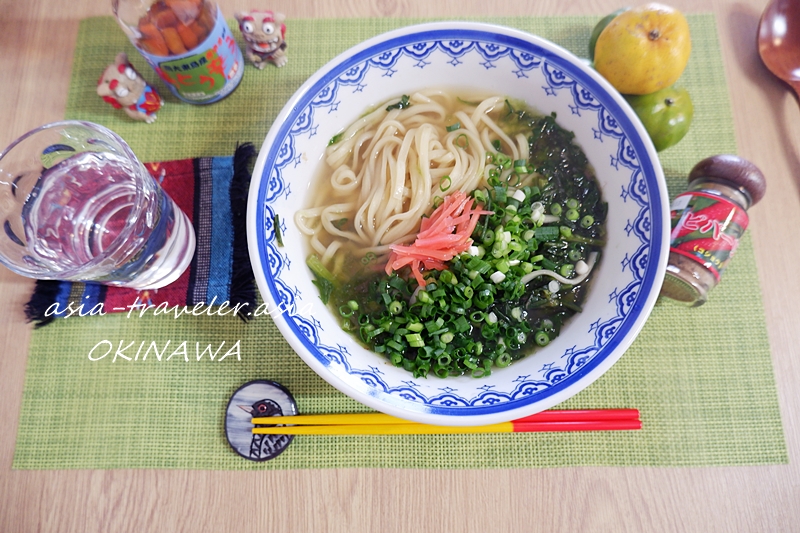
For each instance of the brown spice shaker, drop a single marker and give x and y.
(707, 222)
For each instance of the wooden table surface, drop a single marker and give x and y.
(37, 38)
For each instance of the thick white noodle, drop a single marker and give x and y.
(387, 168)
(561, 279)
(522, 145)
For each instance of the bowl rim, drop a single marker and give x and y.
(579, 379)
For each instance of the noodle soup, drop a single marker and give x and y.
(454, 234)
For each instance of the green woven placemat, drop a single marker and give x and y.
(702, 378)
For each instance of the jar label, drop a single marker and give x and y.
(208, 72)
(707, 229)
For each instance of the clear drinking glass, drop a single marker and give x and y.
(76, 204)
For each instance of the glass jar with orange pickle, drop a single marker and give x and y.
(187, 42)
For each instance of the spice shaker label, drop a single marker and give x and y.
(707, 228)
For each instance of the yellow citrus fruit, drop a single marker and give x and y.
(644, 49)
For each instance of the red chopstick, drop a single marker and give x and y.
(587, 425)
(574, 415)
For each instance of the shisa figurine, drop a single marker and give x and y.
(123, 87)
(264, 33)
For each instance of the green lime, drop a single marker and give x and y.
(598, 29)
(666, 114)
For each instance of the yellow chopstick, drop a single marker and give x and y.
(382, 429)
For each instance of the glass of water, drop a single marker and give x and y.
(77, 205)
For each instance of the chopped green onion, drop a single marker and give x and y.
(461, 324)
(441, 371)
(501, 160)
(503, 360)
(447, 276)
(444, 184)
(483, 299)
(325, 288)
(542, 338)
(477, 281)
(403, 103)
(454, 127)
(434, 325)
(415, 340)
(276, 223)
(396, 282)
(546, 233)
(315, 264)
(416, 327)
(394, 345)
(368, 258)
(548, 264)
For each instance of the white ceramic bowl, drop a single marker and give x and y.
(486, 59)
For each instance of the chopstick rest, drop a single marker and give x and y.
(259, 398)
